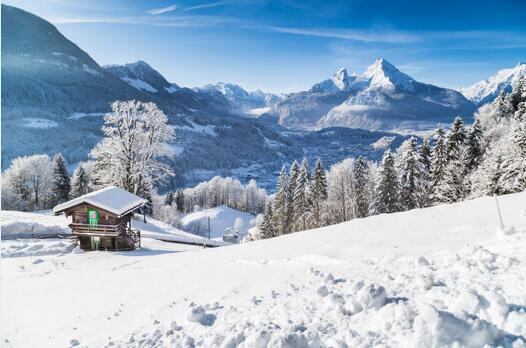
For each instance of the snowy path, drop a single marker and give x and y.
(422, 278)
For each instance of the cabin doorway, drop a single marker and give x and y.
(95, 243)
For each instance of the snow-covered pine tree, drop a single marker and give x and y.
(495, 182)
(179, 200)
(318, 193)
(280, 204)
(79, 182)
(514, 164)
(452, 187)
(424, 157)
(293, 178)
(410, 175)
(424, 150)
(474, 146)
(520, 113)
(501, 107)
(438, 160)
(302, 198)
(361, 187)
(518, 93)
(386, 192)
(456, 139)
(61, 185)
(136, 139)
(169, 198)
(267, 225)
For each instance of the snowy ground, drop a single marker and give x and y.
(425, 278)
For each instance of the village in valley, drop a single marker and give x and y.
(139, 213)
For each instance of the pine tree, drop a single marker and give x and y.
(518, 93)
(411, 171)
(179, 200)
(61, 185)
(456, 139)
(267, 226)
(302, 197)
(495, 186)
(280, 204)
(474, 146)
(293, 178)
(452, 186)
(425, 154)
(501, 106)
(520, 114)
(438, 160)
(360, 187)
(318, 193)
(169, 198)
(386, 191)
(79, 182)
(424, 158)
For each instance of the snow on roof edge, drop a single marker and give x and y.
(97, 198)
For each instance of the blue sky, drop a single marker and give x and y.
(284, 46)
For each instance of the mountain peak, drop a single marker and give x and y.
(384, 75)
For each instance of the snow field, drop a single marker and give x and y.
(427, 278)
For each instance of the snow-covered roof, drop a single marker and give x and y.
(111, 198)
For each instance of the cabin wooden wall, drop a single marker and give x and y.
(79, 215)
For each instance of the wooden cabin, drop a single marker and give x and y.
(102, 219)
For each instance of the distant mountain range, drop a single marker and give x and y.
(381, 98)
(485, 91)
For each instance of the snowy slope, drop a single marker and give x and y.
(425, 278)
(221, 218)
(18, 224)
(486, 91)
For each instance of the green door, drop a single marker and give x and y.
(95, 243)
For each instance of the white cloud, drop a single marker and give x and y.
(350, 34)
(209, 5)
(161, 10)
(169, 21)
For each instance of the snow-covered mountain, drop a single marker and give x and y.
(242, 100)
(485, 91)
(382, 97)
(143, 77)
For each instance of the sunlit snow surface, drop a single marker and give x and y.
(424, 278)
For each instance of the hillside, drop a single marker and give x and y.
(438, 276)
